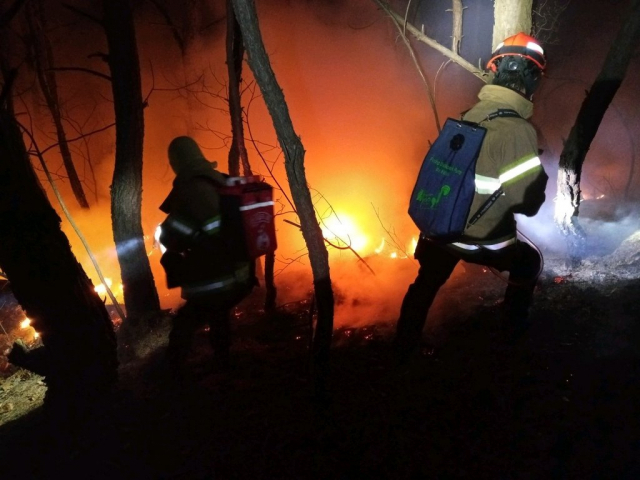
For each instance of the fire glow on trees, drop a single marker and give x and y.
(354, 95)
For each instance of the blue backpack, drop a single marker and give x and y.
(441, 199)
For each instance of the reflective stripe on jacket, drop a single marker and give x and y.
(241, 276)
(193, 228)
(508, 160)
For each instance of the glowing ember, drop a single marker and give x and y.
(101, 289)
(391, 252)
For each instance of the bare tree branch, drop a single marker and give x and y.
(82, 69)
(421, 37)
(82, 13)
(12, 11)
(175, 30)
(106, 127)
(402, 30)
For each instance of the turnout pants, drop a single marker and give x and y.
(194, 314)
(437, 262)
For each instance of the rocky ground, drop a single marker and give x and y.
(563, 403)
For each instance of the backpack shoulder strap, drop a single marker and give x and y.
(502, 112)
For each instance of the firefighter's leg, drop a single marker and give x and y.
(220, 336)
(185, 323)
(436, 265)
(523, 275)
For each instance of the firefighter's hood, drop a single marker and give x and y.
(187, 160)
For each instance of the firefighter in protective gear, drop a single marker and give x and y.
(509, 161)
(199, 256)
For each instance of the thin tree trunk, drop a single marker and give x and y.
(270, 286)
(584, 130)
(140, 294)
(235, 55)
(192, 72)
(79, 354)
(456, 27)
(44, 62)
(510, 17)
(294, 166)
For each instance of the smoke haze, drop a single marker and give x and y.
(363, 115)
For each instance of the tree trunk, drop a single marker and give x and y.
(235, 55)
(238, 151)
(192, 72)
(294, 166)
(43, 59)
(140, 294)
(79, 354)
(585, 128)
(510, 17)
(270, 285)
(456, 26)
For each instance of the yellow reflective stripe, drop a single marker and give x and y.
(241, 275)
(179, 226)
(212, 225)
(486, 185)
(521, 168)
(188, 290)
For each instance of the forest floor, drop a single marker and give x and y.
(561, 403)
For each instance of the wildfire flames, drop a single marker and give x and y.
(101, 288)
(344, 231)
(29, 330)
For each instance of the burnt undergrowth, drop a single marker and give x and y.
(561, 403)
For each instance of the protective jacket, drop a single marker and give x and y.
(508, 160)
(199, 257)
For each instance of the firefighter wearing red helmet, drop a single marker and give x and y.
(509, 165)
(520, 58)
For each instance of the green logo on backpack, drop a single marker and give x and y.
(430, 200)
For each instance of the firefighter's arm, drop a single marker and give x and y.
(204, 207)
(194, 216)
(176, 233)
(522, 175)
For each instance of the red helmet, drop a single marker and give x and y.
(520, 45)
